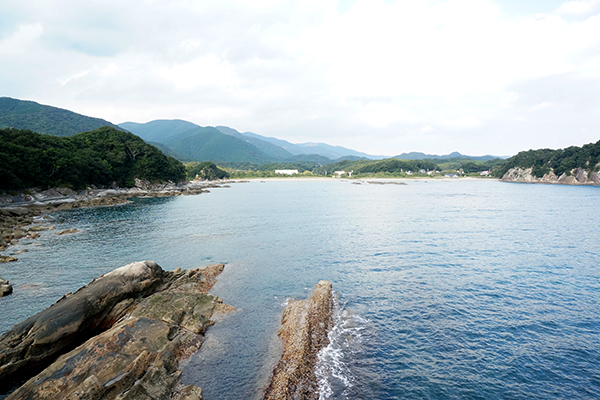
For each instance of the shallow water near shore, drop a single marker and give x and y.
(447, 289)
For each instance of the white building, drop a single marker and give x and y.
(339, 174)
(286, 171)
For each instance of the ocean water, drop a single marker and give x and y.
(445, 289)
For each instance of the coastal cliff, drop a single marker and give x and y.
(119, 337)
(304, 328)
(577, 176)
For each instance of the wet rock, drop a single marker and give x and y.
(5, 288)
(121, 336)
(5, 259)
(37, 228)
(304, 328)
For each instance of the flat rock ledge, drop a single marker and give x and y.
(304, 328)
(119, 337)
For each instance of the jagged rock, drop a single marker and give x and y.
(129, 336)
(304, 328)
(5, 259)
(581, 175)
(578, 176)
(567, 179)
(5, 288)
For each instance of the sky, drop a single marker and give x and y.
(379, 76)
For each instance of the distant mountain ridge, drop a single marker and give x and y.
(327, 150)
(209, 144)
(190, 142)
(271, 150)
(158, 130)
(278, 152)
(24, 114)
(414, 155)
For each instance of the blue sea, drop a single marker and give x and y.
(446, 289)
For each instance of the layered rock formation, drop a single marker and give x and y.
(578, 176)
(119, 337)
(304, 328)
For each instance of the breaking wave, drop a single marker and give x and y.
(333, 372)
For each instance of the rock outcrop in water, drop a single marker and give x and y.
(119, 337)
(5, 288)
(304, 328)
(578, 176)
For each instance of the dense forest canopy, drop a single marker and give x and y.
(49, 120)
(558, 161)
(103, 157)
(205, 171)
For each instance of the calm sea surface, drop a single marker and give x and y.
(447, 289)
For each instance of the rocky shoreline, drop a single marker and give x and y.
(119, 337)
(18, 211)
(578, 176)
(123, 335)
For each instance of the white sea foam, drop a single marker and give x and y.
(332, 371)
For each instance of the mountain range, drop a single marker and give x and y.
(454, 155)
(187, 141)
(222, 143)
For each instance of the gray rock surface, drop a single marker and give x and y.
(304, 328)
(577, 176)
(119, 337)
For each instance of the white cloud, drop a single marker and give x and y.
(370, 77)
(577, 7)
(21, 40)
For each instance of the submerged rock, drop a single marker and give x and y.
(121, 336)
(67, 231)
(304, 328)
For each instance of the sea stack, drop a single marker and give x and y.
(304, 328)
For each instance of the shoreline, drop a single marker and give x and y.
(20, 210)
(322, 178)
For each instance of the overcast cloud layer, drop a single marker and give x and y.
(383, 77)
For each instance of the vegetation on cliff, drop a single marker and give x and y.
(206, 171)
(558, 161)
(103, 157)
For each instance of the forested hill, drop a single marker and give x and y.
(561, 161)
(49, 120)
(102, 157)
